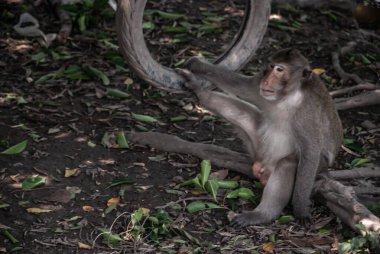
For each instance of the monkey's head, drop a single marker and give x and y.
(285, 72)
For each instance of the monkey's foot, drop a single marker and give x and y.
(249, 218)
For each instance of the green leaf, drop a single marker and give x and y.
(178, 118)
(205, 171)
(196, 206)
(344, 248)
(18, 148)
(100, 74)
(43, 78)
(110, 208)
(4, 205)
(286, 219)
(122, 181)
(324, 231)
(137, 216)
(144, 118)
(110, 239)
(170, 16)
(33, 182)
(243, 193)
(212, 187)
(82, 23)
(350, 143)
(176, 29)
(359, 162)
(75, 72)
(148, 25)
(228, 184)
(121, 140)
(117, 93)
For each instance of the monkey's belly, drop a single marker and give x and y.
(274, 146)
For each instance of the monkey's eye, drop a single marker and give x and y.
(271, 66)
(279, 69)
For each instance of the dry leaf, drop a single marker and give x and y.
(319, 71)
(268, 247)
(72, 172)
(112, 201)
(88, 208)
(38, 210)
(84, 246)
(145, 211)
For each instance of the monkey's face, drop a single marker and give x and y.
(274, 81)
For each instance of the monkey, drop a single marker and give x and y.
(289, 123)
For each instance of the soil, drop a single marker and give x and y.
(66, 121)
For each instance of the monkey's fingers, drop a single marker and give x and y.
(248, 218)
(193, 83)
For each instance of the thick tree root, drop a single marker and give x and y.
(219, 156)
(339, 198)
(343, 202)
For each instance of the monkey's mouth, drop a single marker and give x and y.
(267, 92)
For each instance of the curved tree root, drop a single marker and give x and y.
(339, 198)
(365, 99)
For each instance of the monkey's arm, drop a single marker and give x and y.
(242, 86)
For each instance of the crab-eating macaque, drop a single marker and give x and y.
(291, 127)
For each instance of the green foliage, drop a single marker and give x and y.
(154, 225)
(16, 149)
(360, 244)
(203, 183)
(33, 182)
(88, 13)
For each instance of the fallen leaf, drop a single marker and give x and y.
(268, 247)
(112, 201)
(319, 71)
(38, 210)
(84, 246)
(88, 208)
(72, 172)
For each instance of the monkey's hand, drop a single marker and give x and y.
(192, 82)
(196, 65)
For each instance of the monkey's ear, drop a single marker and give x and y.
(306, 73)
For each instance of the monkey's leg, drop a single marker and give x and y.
(276, 195)
(310, 163)
(238, 112)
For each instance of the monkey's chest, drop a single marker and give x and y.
(275, 142)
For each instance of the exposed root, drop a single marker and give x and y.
(365, 99)
(340, 199)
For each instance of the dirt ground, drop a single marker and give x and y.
(71, 123)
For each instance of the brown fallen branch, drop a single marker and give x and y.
(339, 198)
(343, 202)
(365, 99)
(359, 87)
(364, 172)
